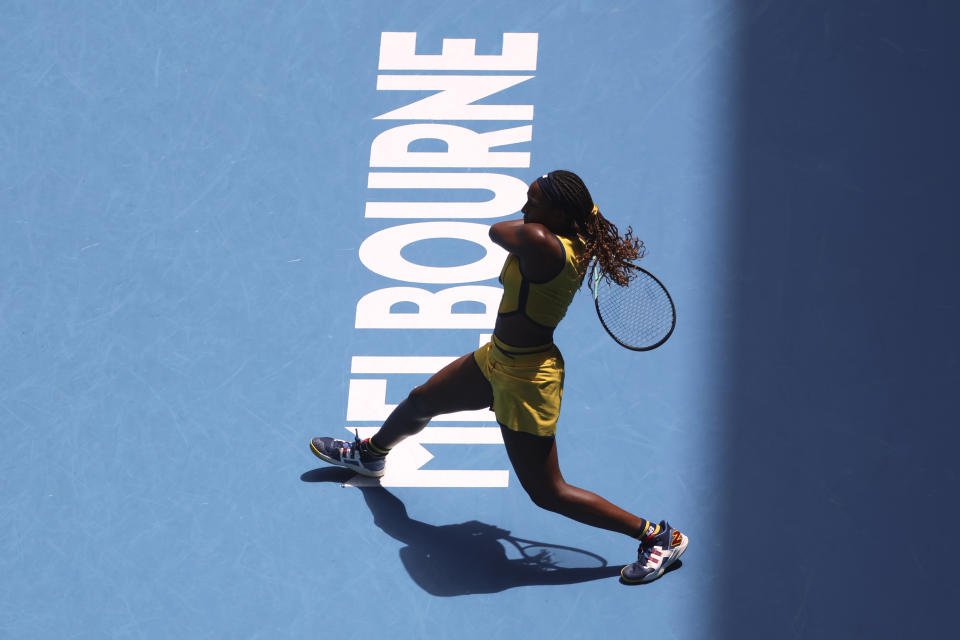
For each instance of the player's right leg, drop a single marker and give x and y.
(460, 386)
(535, 462)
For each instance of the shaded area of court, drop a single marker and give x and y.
(841, 418)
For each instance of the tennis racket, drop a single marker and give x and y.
(639, 316)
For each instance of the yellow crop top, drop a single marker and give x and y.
(543, 303)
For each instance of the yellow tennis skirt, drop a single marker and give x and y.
(527, 385)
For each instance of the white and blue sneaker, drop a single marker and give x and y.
(349, 455)
(655, 555)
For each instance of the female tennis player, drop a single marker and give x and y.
(519, 373)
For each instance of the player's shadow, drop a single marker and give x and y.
(460, 559)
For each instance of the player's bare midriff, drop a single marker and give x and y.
(518, 331)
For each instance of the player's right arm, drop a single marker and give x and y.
(540, 255)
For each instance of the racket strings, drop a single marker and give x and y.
(640, 315)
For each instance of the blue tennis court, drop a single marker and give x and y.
(226, 228)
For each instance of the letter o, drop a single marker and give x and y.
(381, 253)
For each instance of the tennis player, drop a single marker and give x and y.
(519, 373)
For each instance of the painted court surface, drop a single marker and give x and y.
(226, 228)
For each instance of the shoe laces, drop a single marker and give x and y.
(347, 448)
(645, 552)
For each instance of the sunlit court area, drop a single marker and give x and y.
(230, 228)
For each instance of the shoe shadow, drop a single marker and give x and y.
(471, 557)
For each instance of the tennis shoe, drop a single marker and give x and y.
(349, 455)
(655, 555)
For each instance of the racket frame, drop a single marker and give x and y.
(594, 286)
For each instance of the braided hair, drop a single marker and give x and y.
(606, 248)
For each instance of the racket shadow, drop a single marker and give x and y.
(470, 557)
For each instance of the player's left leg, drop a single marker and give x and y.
(459, 386)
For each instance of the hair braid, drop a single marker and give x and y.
(606, 248)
